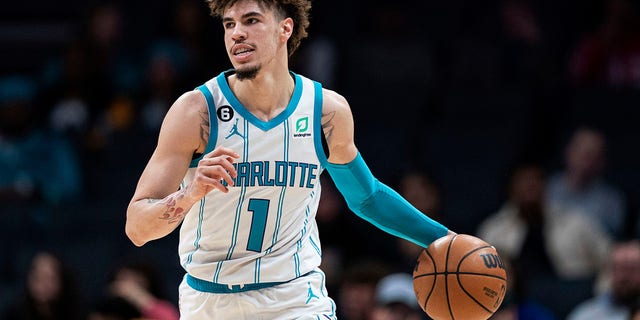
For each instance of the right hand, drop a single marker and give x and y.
(212, 169)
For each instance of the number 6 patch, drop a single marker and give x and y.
(225, 113)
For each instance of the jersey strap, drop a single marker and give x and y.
(380, 205)
(213, 124)
(319, 139)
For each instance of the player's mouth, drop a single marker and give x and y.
(242, 52)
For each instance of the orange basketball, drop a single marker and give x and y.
(459, 277)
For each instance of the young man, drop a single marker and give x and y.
(245, 153)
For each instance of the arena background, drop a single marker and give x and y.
(462, 90)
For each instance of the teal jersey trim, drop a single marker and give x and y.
(212, 287)
(317, 110)
(283, 191)
(196, 243)
(380, 205)
(243, 192)
(264, 125)
(213, 124)
(315, 246)
(296, 256)
(256, 270)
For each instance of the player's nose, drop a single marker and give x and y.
(238, 33)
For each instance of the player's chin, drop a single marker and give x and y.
(247, 72)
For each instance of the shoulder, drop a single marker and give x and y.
(186, 121)
(189, 104)
(333, 102)
(188, 109)
(337, 125)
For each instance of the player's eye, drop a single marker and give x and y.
(229, 25)
(252, 20)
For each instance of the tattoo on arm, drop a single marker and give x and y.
(204, 126)
(327, 125)
(172, 214)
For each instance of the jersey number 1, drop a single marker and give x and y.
(260, 210)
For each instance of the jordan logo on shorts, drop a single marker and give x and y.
(311, 295)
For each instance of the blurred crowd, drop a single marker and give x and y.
(513, 120)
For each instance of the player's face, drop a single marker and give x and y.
(253, 37)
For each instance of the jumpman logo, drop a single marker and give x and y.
(234, 130)
(311, 295)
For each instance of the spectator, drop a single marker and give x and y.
(69, 91)
(423, 193)
(523, 41)
(543, 239)
(190, 34)
(617, 302)
(95, 67)
(162, 83)
(356, 296)
(35, 165)
(319, 60)
(609, 56)
(517, 305)
(110, 59)
(396, 300)
(581, 187)
(137, 286)
(50, 292)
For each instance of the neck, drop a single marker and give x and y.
(266, 95)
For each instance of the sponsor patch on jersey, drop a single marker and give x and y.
(302, 127)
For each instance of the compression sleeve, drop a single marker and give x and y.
(380, 205)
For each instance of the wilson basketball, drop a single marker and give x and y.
(459, 277)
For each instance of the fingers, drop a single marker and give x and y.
(215, 167)
(203, 183)
(218, 173)
(220, 186)
(219, 162)
(222, 151)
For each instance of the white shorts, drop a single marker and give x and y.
(301, 298)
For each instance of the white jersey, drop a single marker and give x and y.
(264, 229)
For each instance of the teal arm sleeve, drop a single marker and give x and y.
(382, 206)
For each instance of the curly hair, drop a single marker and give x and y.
(298, 10)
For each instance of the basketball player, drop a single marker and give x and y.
(244, 152)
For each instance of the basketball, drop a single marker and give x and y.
(459, 277)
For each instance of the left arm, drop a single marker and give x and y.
(365, 195)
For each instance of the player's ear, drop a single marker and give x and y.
(286, 29)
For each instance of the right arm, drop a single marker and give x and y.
(157, 206)
(367, 197)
